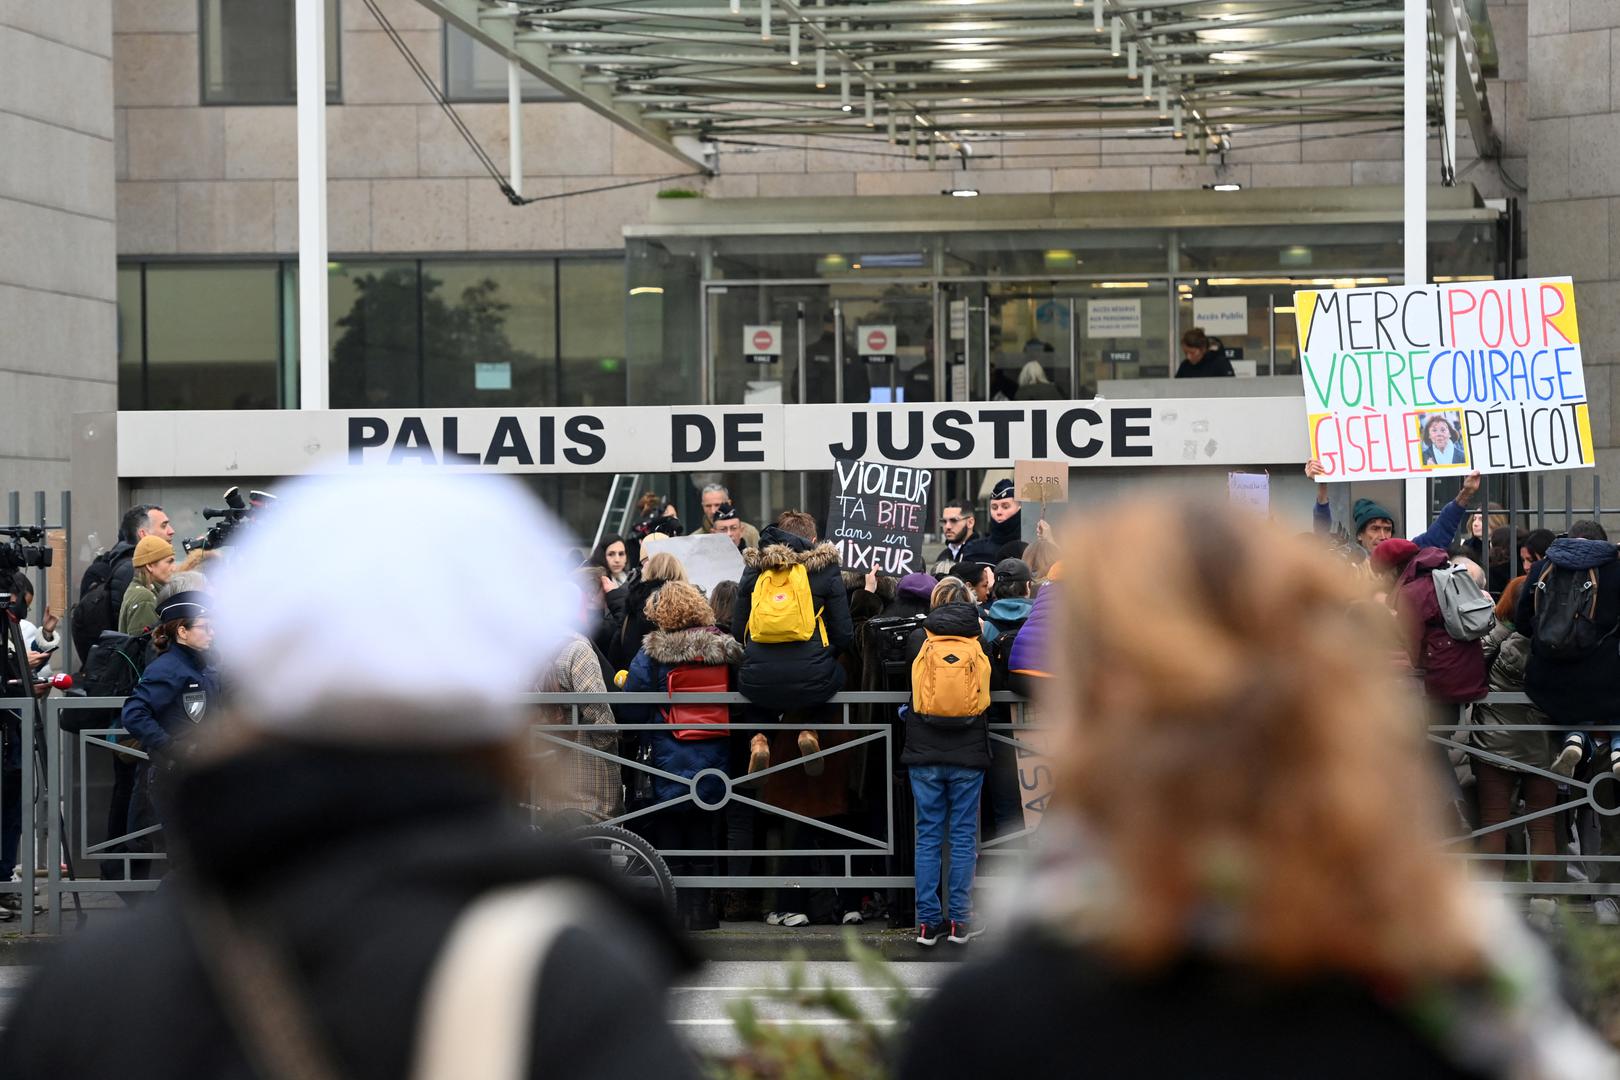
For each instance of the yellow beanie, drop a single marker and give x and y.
(152, 549)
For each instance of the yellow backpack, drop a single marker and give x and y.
(783, 608)
(950, 678)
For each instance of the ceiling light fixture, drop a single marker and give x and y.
(1226, 185)
(961, 193)
(793, 44)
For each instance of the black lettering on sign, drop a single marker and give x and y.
(878, 513)
(681, 425)
(411, 444)
(588, 448)
(736, 436)
(951, 425)
(857, 438)
(1131, 439)
(1002, 421)
(365, 432)
(1065, 434)
(508, 442)
(452, 449)
(914, 436)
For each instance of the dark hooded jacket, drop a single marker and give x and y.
(928, 743)
(357, 881)
(634, 625)
(662, 652)
(794, 674)
(1452, 671)
(1585, 690)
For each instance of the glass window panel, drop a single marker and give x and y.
(474, 72)
(376, 343)
(131, 385)
(489, 333)
(1145, 356)
(248, 54)
(1057, 254)
(213, 336)
(663, 321)
(1299, 249)
(592, 302)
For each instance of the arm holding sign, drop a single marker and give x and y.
(1321, 513)
(1444, 529)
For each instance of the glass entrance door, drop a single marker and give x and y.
(854, 342)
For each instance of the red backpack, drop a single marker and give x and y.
(699, 679)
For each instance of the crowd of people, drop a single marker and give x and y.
(1171, 870)
(792, 632)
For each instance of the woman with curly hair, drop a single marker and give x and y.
(1243, 873)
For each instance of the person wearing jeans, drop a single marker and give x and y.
(947, 757)
(947, 801)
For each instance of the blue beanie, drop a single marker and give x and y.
(1366, 510)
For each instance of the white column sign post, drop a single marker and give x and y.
(763, 344)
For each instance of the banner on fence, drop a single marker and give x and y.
(1411, 382)
(878, 514)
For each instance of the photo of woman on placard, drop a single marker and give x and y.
(1442, 440)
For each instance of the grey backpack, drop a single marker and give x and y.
(1466, 610)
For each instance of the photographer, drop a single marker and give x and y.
(170, 701)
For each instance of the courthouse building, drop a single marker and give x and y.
(1122, 176)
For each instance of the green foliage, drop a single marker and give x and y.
(861, 1048)
(680, 193)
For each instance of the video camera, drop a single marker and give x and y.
(24, 549)
(235, 513)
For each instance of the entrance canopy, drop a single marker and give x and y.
(959, 79)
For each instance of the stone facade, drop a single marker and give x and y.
(58, 319)
(1574, 215)
(220, 180)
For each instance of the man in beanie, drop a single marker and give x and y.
(154, 565)
(358, 895)
(1375, 524)
(1006, 515)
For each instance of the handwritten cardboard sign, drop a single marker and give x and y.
(1411, 382)
(1041, 481)
(878, 515)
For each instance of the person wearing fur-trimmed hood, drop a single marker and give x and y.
(794, 674)
(686, 638)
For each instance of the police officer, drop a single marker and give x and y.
(170, 701)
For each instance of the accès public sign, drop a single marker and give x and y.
(1425, 380)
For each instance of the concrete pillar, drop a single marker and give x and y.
(1574, 199)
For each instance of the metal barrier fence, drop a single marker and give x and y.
(57, 814)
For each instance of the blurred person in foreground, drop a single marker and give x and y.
(1243, 876)
(358, 896)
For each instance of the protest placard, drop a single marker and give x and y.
(708, 558)
(1249, 489)
(1420, 381)
(877, 516)
(1041, 482)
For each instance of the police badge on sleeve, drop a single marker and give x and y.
(195, 703)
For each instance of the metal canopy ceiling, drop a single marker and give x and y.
(951, 79)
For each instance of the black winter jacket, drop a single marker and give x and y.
(634, 625)
(356, 866)
(793, 674)
(1228, 1023)
(929, 743)
(1583, 691)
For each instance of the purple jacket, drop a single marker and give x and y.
(1029, 649)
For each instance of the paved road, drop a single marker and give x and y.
(12, 980)
(698, 1005)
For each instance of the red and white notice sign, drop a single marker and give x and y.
(876, 340)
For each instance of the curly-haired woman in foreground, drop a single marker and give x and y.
(1244, 874)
